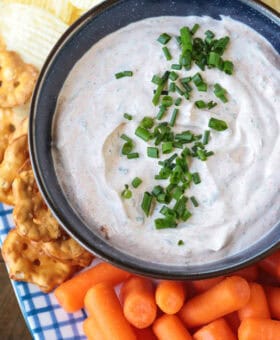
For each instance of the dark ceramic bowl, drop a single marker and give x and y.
(89, 29)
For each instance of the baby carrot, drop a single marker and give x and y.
(250, 273)
(139, 305)
(170, 296)
(259, 329)
(257, 306)
(103, 305)
(203, 285)
(227, 296)
(271, 264)
(92, 330)
(216, 330)
(71, 293)
(170, 327)
(144, 334)
(273, 299)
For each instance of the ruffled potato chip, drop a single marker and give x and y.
(29, 30)
(85, 4)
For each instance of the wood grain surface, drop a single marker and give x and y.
(12, 324)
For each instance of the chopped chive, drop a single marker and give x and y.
(127, 148)
(211, 104)
(164, 38)
(197, 79)
(201, 154)
(209, 153)
(178, 101)
(167, 212)
(176, 67)
(174, 117)
(136, 182)
(173, 76)
(186, 215)
(165, 223)
(162, 110)
(167, 147)
(167, 101)
(160, 87)
(152, 152)
(186, 59)
(180, 243)
(202, 87)
(156, 80)
(186, 80)
(124, 74)
(178, 90)
(147, 123)
(214, 59)
(143, 133)
(147, 203)
(125, 137)
(186, 86)
(217, 124)
(206, 137)
(228, 67)
(127, 116)
(163, 174)
(209, 34)
(200, 104)
(195, 29)
(157, 190)
(126, 193)
(180, 206)
(220, 93)
(187, 95)
(194, 201)
(177, 193)
(172, 87)
(133, 155)
(186, 39)
(196, 178)
(166, 53)
(186, 136)
(221, 45)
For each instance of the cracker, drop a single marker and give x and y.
(27, 262)
(15, 156)
(68, 250)
(32, 217)
(7, 128)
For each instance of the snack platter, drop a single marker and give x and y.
(44, 317)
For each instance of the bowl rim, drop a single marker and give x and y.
(106, 255)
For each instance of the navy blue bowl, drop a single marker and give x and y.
(89, 29)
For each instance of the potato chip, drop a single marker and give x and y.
(27, 262)
(30, 31)
(85, 4)
(7, 128)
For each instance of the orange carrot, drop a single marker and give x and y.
(233, 320)
(257, 306)
(250, 273)
(259, 329)
(71, 293)
(139, 305)
(227, 296)
(170, 327)
(201, 286)
(144, 334)
(273, 299)
(103, 305)
(92, 330)
(216, 330)
(170, 296)
(271, 264)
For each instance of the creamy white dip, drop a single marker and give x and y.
(239, 196)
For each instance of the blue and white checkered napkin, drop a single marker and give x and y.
(44, 317)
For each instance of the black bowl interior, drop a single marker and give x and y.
(93, 26)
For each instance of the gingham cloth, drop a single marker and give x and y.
(44, 317)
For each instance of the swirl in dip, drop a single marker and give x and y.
(239, 193)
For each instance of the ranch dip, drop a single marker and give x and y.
(239, 193)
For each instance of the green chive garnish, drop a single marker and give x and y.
(194, 29)
(180, 243)
(194, 201)
(143, 133)
(174, 117)
(147, 123)
(136, 182)
(173, 76)
(228, 67)
(156, 79)
(167, 147)
(160, 88)
(167, 101)
(165, 223)
(166, 53)
(127, 116)
(200, 104)
(214, 59)
(124, 74)
(164, 38)
(152, 152)
(133, 155)
(179, 91)
(162, 110)
(211, 104)
(125, 137)
(196, 178)
(178, 101)
(127, 148)
(146, 203)
(197, 79)
(172, 87)
(202, 87)
(217, 124)
(176, 67)
(126, 193)
(206, 137)
(186, 215)
(220, 93)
